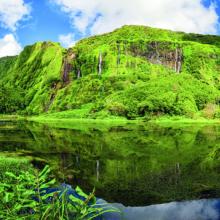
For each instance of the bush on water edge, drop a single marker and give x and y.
(30, 194)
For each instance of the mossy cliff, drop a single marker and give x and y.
(133, 72)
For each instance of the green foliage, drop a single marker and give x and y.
(117, 109)
(172, 95)
(24, 196)
(8, 164)
(138, 76)
(5, 64)
(18, 192)
(11, 99)
(34, 72)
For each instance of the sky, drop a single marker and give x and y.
(24, 22)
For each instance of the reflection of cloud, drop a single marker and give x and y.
(194, 210)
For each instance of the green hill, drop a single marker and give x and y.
(133, 72)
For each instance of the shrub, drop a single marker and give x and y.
(116, 108)
(210, 111)
(29, 196)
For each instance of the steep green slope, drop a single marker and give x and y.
(5, 64)
(135, 71)
(33, 73)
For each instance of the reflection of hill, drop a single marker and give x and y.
(135, 165)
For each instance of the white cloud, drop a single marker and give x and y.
(13, 11)
(180, 15)
(9, 46)
(67, 40)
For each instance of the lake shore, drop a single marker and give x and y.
(62, 117)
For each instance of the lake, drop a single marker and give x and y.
(133, 164)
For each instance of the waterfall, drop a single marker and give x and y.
(78, 74)
(65, 71)
(177, 168)
(119, 53)
(67, 68)
(179, 65)
(100, 64)
(177, 173)
(77, 161)
(178, 60)
(175, 58)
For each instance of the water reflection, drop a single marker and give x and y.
(97, 170)
(190, 210)
(132, 164)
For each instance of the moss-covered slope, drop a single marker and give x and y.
(135, 71)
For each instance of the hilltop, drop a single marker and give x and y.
(132, 72)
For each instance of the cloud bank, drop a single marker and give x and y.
(67, 40)
(9, 46)
(11, 13)
(99, 16)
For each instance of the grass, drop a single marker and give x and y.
(68, 119)
(10, 162)
(8, 117)
(184, 120)
(80, 124)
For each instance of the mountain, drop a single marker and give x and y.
(132, 72)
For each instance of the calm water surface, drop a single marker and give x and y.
(132, 164)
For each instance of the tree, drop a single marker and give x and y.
(11, 99)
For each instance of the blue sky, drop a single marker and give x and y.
(24, 22)
(45, 22)
(207, 3)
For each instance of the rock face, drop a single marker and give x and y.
(161, 53)
(67, 65)
(171, 58)
(67, 68)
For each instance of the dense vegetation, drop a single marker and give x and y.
(133, 72)
(28, 194)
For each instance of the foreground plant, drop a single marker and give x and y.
(31, 196)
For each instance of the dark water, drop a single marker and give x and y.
(135, 165)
